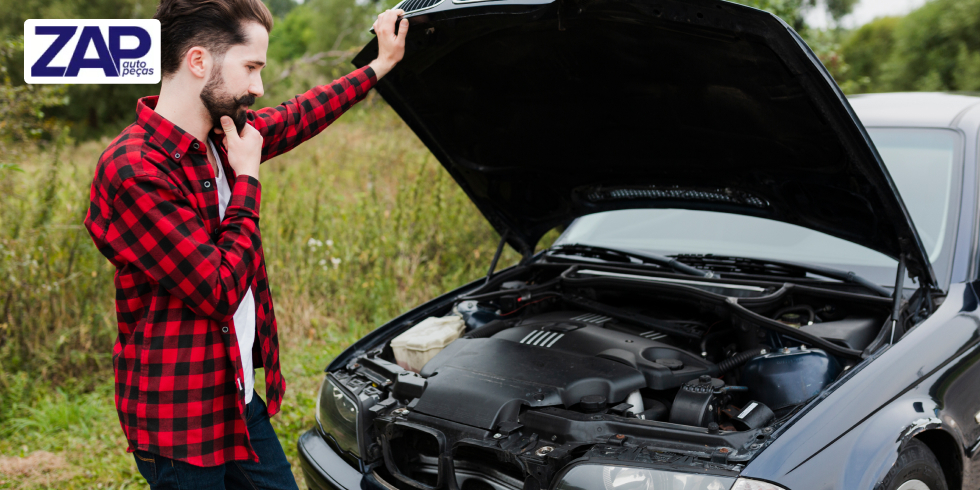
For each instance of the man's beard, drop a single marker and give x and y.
(220, 104)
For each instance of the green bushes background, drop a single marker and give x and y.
(935, 48)
(359, 224)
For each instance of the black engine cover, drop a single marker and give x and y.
(483, 382)
(549, 360)
(664, 366)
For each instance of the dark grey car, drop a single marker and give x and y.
(744, 295)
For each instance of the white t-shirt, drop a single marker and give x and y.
(245, 314)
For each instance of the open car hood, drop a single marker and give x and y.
(544, 111)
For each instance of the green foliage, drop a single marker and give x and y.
(280, 8)
(16, 12)
(840, 8)
(934, 48)
(967, 74)
(22, 107)
(291, 36)
(867, 48)
(315, 44)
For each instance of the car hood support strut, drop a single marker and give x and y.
(897, 296)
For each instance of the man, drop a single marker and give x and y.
(175, 207)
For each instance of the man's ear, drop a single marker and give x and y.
(198, 60)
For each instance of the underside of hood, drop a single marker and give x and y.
(547, 111)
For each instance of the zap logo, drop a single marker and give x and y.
(92, 51)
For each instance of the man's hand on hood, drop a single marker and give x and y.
(391, 46)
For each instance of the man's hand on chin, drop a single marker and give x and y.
(391, 46)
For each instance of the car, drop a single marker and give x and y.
(743, 295)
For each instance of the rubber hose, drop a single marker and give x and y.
(711, 336)
(738, 359)
(489, 329)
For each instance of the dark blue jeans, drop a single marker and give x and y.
(272, 473)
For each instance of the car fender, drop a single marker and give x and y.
(880, 440)
(859, 425)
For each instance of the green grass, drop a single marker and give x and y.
(359, 224)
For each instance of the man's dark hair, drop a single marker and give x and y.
(213, 24)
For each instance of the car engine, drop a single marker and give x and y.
(550, 363)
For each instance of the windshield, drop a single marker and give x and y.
(922, 162)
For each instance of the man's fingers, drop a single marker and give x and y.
(393, 19)
(403, 30)
(229, 127)
(386, 21)
(249, 130)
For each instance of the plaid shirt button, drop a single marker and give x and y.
(224, 329)
(196, 145)
(207, 183)
(177, 156)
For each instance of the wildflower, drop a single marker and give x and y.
(314, 243)
(323, 261)
(330, 243)
(335, 261)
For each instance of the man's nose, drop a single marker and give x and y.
(256, 88)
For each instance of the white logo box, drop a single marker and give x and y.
(95, 51)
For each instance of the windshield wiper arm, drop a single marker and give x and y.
(844, 276)
(618, 255)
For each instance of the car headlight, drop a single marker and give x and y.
(747, 484)
(603, 477)
(608, 477)
(337, 414)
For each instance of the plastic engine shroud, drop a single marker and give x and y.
(548, 360)
(664, 366)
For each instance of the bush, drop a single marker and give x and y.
(934, 48)
(867, 49)
(22, 107)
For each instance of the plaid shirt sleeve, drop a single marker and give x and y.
(302, 117)
(158, 230)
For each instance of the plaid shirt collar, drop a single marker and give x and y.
(168, 135)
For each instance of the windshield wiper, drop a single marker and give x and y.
(626, 256)
(746, 265)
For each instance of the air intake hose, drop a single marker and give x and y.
(490, 329)
(739, 359)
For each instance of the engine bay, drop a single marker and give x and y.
(550, 363)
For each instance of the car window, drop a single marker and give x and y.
(922, 163)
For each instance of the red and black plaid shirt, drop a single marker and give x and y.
(181, 274)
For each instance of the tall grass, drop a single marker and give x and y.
(358, 224)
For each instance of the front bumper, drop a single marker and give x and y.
(324, 469)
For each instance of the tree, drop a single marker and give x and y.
(838, 9)
(934, 48)
(866, 50)
(280, 8)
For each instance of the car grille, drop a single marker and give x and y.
(410, 6)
